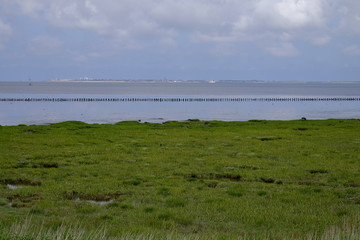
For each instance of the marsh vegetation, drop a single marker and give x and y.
(181, 180)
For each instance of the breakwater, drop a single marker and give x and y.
(183, 99)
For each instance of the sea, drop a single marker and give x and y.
(159, 101)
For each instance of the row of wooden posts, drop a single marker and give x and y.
(186, 99)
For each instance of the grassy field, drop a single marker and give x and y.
(181, 180)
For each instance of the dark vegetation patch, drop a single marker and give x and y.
(193, 120)
(321, 171)
(126, 206)
(21, 201)
(175, 202)
(164, 192)
(257, 121)
(301, 129)
(3, 202)
(190, 123)
(269, 138)
(310, 190)
(20, 181)
(231, 177)
(216, 176)
(170, 122)
(248, 167)
(342, 212)
(267, 180)
(19, 205)
(270, 180)
(49, 165)
(23, 164)
(74, 125)
(349, 194)
(149, 209)
(236, 191)
(352, 184)
(272, 158)
(311, 183)
(69, 124)
(30, 131)
(88, 162)
(261, 193)
(212, 184)
(165, 216)
(207, 123)
(24, 198)
(73, 195)
(128, 123)
(134, 182)
(181, 221)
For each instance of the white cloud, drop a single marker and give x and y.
(5, 29)
(352, 50)
(217, 38)
(320, 40)
(45, 45)
(290, 14)
(76, 14)
(226, 49)
(28, 7)
(348, 13)
(286, 36)
(5, 33)
(168, 44)
(284, 49)
(31, 7)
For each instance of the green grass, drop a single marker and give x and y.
(181, 180)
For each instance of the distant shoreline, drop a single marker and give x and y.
(152, 81)
(180, 81)
(211, 81)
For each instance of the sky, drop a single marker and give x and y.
(271, 40)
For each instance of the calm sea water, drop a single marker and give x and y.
(14, 113)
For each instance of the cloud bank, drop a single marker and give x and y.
(5, 33)
(86, 29)
(201, 20)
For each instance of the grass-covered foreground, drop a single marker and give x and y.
(181, 180)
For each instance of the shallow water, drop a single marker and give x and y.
(101, 203)
(13, 187)
(14, 113)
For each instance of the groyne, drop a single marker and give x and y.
(183, 99)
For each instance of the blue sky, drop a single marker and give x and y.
(302, 40)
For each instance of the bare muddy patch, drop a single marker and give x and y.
(230, 168)
(18, 183)
(21, 201)
(101, 203)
